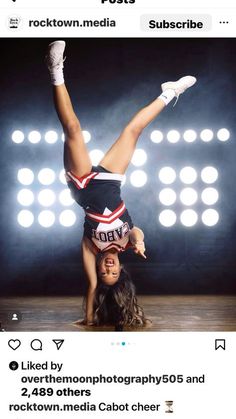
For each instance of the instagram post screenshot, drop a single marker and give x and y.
(118, 209)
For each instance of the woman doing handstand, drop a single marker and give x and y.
(108, 228)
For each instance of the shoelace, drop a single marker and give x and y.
(56, 65)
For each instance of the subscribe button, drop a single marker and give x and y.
(194, 23)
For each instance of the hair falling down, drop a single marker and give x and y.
(117, 304)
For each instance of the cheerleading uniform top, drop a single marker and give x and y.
(107, 222)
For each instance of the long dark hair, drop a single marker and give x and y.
(117, 304)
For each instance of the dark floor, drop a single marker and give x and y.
(167, 313)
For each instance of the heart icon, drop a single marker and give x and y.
(14, 344)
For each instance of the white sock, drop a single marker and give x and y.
(167, 96)
(57, 76)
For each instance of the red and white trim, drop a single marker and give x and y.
(82, 182)
(113, 246)
(107, 219)
(109, 176)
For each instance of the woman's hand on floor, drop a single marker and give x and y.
(85, 322)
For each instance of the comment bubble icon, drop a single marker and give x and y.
(36, 345)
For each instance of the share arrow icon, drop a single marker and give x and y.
(58, 343)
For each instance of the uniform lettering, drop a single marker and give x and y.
(102, 236)
(111, 235)
(119, 232)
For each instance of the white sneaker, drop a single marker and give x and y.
(180, 85)
(54, 58)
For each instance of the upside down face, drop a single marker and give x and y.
(109, 267)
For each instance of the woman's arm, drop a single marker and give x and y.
(89, 262)
(137, 240)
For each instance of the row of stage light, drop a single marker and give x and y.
(167, 218)
(156, 136)
(138, 178)
(167, 197)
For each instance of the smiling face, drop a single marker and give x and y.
(109, 268)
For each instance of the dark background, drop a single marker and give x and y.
(109, 80)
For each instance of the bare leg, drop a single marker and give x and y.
(119, 155)
(76, 157)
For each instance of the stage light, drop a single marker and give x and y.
(87, 136)
(209, 174)
(206, 135)
(63, 137)
(25, 197)
(25, 176)
(46, 176)
(173, 136)
(167, 175)
(65, 198)
(46, 218)
(188, 175)
(223, 134)
(138, 178)
(34, 137)
(96, 156)
(62, 177)
(51, 137)
(189, 218)
(188, 196)
(139, 157)
(67, 218)
(167, 196)
(25, 218)
(46, 197)
(18, 137)
(210, 196)
(190, 136)
(210, 217)
(156, 136)
(167, 218)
